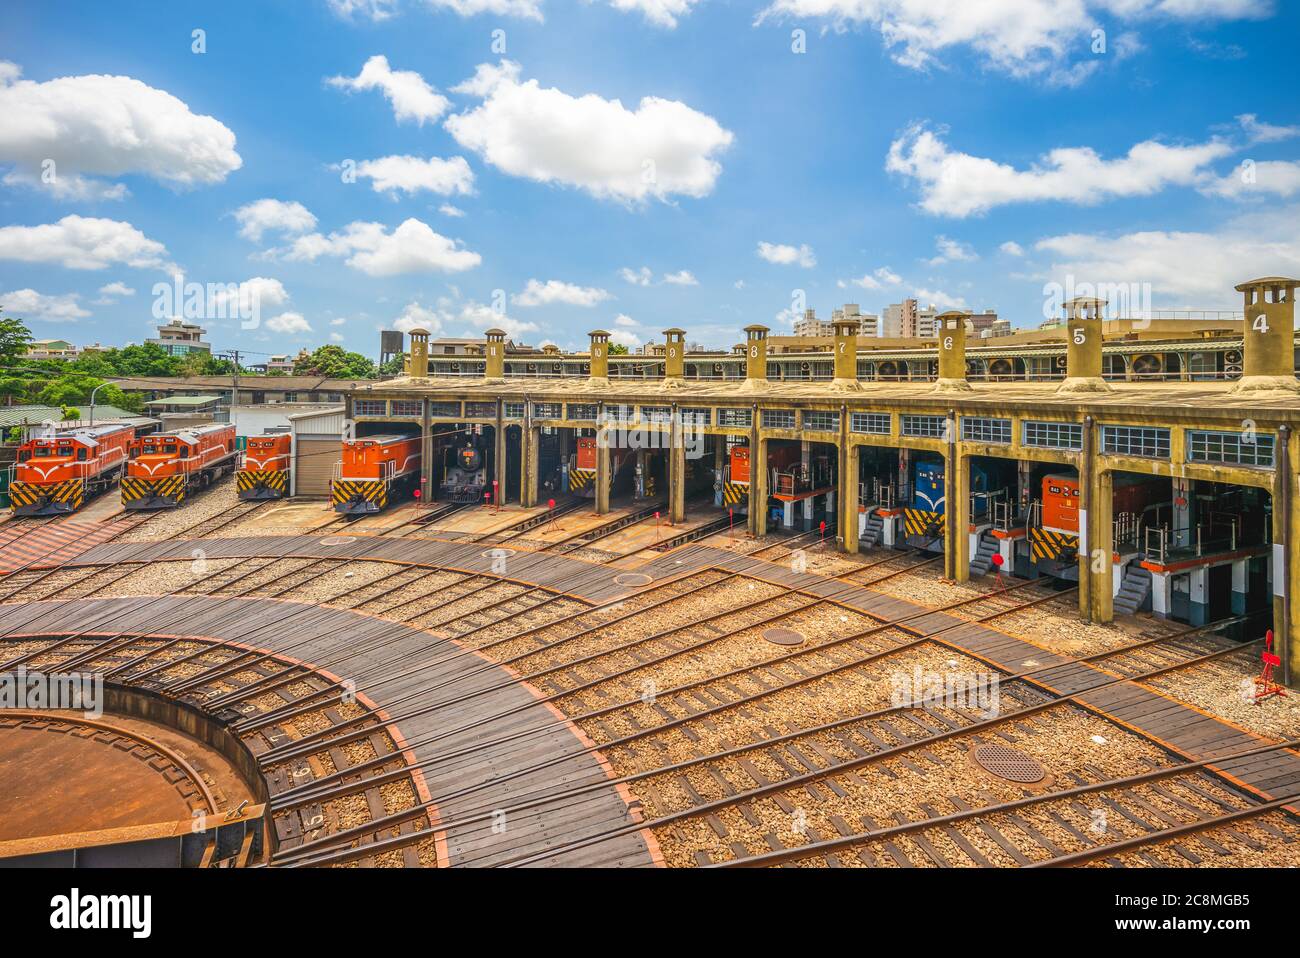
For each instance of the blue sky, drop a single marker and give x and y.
(908, 150)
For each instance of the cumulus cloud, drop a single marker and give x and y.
(376, 10)
(959, 184)
(952, 251)
(111, 291)
(1258, 131)
(940, 299)
(406, 91)
(61, 134)
(662, 13)
(1012, 248)
(879, 279)
(251, 296)
(785, 255)
(1265, 178)
(410, 174)
(450, 314)
(536, 293)
(413, 247)
(660, 149)
(446, 209)
(624, 320)
(288, 323)
(29, 304)
(1025, 38)
(637, 277)
(415, 316)
(683, 277)
(525, 9)
(82, 242)
(1188, 267)
(273, 216)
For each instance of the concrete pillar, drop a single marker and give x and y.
(499, 472)
(418, 366)
(758, 485)
(495, 352)
(951, 327)
(956, 491)
(1199, 599)
(676, 470)
(426, 453)
(1182, 518)
(719, 469)
(1285, 560)
(602, 466)
(1267, 347)
(1083, 347)
(849, 525)
(1162, 594)
(531, 437)
(1240, 585)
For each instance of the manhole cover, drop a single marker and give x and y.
(783, 637)
(338, 540)
(633, 578)
(1010, 763)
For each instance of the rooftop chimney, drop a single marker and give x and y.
(1083, 347)
(950, 327)
(755, 357)
(599, 358)
(674, 365)
(1268, 345)
(419, 359)
(496, 355)
(846, 353)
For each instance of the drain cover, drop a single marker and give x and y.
(783, 636)
(633, 578)
(338, 540)
(1010, 763)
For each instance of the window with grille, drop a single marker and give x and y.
(584, 411)
(618, 413)
(874, 422)
(930, 427)
(820, 421)
(445, 410)
(981, 429)
(736, 417)
(546, 410)
(406, 407)
(513, 410)
(1144, 441)
(697, 416)
(488, 410)
(657, 414)
(1053, 435)
(370, 407)
(1232, 448)
(778, 418)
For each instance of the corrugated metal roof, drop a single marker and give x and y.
(184, 401)
(33, 415)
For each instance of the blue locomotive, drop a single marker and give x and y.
(924, 517)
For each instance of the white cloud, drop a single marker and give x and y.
(662, 13)
(339, 321)
(660, 149)
(683, 277)
(446, 209)
(959, 184)
(116, 289)
(952, 251)
(1259, 132)
(336, 338)
(415, 316)
(1012, 248)
(82, 242)
(739, 284)
(939, 298)
(375, 10)
(525, 9)
(554, 291)
(1191, 268)
(882, 277)
(288, 323)
(624, 338)
(410, 174)
(637, 277)
(1267, 177)
(408, 93)
(784, 255)
(1025, 38)
(29, 304)
(624, 320)
(273, 216)
(111, 126)
(252, 295)
(413, 247)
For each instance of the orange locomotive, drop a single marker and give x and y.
(163, 469)
(1054, 540)
(374, 470)
(265, 473)
(57, 473)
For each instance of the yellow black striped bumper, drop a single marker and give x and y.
(580, 479)
(46, 499)
(268, 484)
(153, 493)
(735, 493)
(355, 496)
(1051, 546)
(922, 522)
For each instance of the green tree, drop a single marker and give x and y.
(14, 338)
(335, 362)
(617, 349)
(394, 367)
